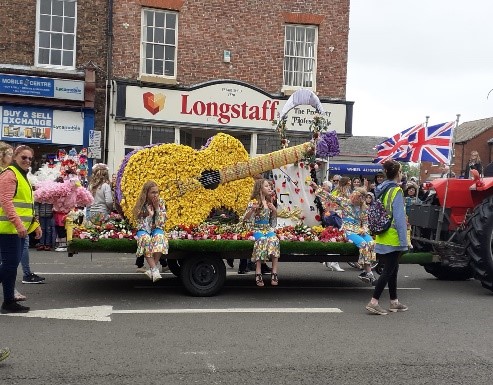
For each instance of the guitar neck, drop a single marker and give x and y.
(263, 163)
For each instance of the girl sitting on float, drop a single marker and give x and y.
(262, 212)
(150, 214)
(355, 226)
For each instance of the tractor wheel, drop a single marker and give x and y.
(447, 273)
(479, 242)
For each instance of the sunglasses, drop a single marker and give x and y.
(24, 157)
(335, 180)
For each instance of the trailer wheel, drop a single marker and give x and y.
(203, 276)
(447, 273)
(174, 266)
(479, 242)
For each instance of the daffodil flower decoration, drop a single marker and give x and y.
(177, 169)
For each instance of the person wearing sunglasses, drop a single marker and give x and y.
(17, 220)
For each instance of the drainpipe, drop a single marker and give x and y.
(109, 77)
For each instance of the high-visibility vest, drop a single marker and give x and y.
(389, 237)
(23, 203)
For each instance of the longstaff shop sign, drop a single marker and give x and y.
(223, 105)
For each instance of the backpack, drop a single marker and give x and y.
(379, 219)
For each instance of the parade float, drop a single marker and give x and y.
(219, 177)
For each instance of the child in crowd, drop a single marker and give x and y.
(355, 226)
(61, 232)
(44, 213)
(100, 188)
(150, 214)
(262, 212)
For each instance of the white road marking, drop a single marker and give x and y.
(234, 310)
(211, 367)
(103, 313)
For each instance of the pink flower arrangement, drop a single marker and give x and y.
(63, 196)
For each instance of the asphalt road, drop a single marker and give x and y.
(131, 331)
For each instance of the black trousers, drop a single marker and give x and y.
(389, 274)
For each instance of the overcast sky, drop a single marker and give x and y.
(413, 58)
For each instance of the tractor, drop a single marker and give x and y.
(455, 224)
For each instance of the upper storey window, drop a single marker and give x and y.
(300, 56)
(55, 33)
(159, 41)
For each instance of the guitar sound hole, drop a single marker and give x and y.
(210, 179)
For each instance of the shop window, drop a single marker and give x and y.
(267, 143)
(56, 23)
(185, 138)
(137, 135)
(162, 135)
(159, 38)
(140, 136)
(300, 56)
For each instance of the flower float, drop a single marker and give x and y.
(177, 170)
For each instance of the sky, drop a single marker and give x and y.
(409, 59)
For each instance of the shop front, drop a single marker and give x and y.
(354, 169)
(145, 116)
(46, 114)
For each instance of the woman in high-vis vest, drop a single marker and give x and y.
(391, 243)
(16, 221)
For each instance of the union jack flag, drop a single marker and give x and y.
(396, 147)
(431, 144)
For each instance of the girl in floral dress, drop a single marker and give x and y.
(150, 213)
(355, 226)
(262, 212)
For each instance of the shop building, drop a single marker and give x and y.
(52, 75)
(185, 70)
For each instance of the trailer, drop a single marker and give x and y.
(200, 263)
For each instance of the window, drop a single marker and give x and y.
(300, 50)
(267, 143)
(196, 138)
(137, 136)
(55, 33)
(159, 36)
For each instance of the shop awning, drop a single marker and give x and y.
(352, 168)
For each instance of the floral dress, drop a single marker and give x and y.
(266, 242)
(150, 236)
(354, 224)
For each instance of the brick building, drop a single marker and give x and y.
(52, 73)
(185, 70)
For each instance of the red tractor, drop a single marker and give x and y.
(455, 224)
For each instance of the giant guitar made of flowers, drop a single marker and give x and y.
(193, 182)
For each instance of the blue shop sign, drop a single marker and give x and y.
(41, 87)
(358, 169)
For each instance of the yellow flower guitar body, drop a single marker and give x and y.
(193, 182)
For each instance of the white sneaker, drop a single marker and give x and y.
(156, 276)
(149, 273)
(335, 266)
(61, 249)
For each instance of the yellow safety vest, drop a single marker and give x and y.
(389, 237)
(23, 203)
